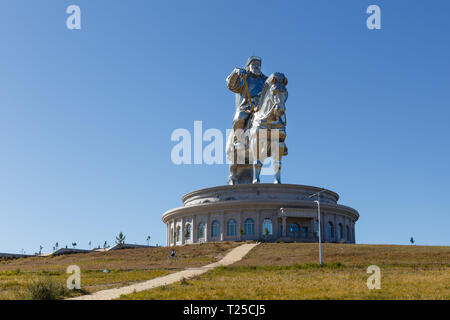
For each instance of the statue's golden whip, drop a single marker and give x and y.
(248, 93)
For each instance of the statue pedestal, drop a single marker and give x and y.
(243, 174)
(264, 212)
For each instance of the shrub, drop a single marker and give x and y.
(45, 289)
(184, 282)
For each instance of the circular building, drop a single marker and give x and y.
(269, 212)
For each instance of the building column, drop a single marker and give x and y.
(175, 232)
(239, 226)
(275, 227)
(344, 229)
(335, 229)
(194, 229)
(316, 230)
(258, 225)
(323, 223)
(167, 234)
(222, 226)
(353, 232)
(284, 226)
(172, 232)
(312, 229)
(182, 231)
(347, 225)
(207, 227)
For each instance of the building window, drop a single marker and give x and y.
(304, 232)
(231, 227)
(215, 229)
(330, 230)
(178, 233)
(267, 227)
(188, 231)
(340, 232)
(348, 233)
(249, 227)
(293, 230)
(201, 230)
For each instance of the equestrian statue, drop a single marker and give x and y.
(259, 124)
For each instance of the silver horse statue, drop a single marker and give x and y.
(264, 135)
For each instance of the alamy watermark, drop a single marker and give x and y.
(374, 281)
(214, 146)
(74, 280)
(73, 22)
(373, 22)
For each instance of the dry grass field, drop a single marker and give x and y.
(290, 271)
(275, 254)
(269, 271)
(127, 266)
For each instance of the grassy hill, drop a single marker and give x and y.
(269, 271)
(127, 266)
(291, 271)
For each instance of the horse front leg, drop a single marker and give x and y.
(256, 171)
(277, 163)
(257, 165)
(277, 170)
(232, 177)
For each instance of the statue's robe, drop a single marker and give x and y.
(243, 109)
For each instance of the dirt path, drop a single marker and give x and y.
(233, 256)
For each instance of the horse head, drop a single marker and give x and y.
(273, 98)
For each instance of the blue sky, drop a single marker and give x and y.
(86, 115)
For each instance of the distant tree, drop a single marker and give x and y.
(148, 240)
(56, 246)
(105, 245)
(40, 249)
(74, 244)
(90, 244)
(412, 240)
(120, 239)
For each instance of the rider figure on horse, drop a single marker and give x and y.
(255, 82)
